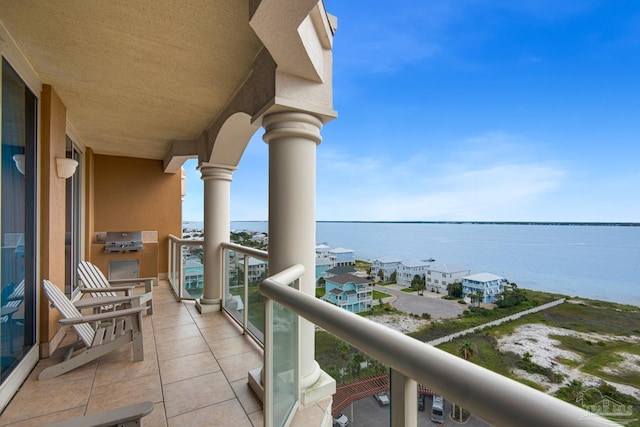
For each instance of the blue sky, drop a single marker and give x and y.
(486, 110)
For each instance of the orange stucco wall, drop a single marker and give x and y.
(132, 194)
(52, 203)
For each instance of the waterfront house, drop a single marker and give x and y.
(488, 284)
(439, 275)
(322, 266)
(350, 292)
(343, 256)
(387, 265)
(408, 269)
(256, 271)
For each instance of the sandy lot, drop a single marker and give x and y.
(536, 340)
(402, 323)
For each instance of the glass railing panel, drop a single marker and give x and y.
(243, 273)
(192, 279)
(234, 282)
(255, 301)
(282, 363)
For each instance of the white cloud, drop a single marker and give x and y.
(489, 177)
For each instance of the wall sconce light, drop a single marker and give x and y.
(19, 159)
(66, 167)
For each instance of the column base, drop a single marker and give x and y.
(206, 305)
(323, 388)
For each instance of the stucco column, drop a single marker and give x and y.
(292, 139)
(217, 196)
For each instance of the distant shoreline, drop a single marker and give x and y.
(559, 223)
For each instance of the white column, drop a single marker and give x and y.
(217, 196)
(292, 139)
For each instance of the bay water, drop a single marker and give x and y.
(590, 261)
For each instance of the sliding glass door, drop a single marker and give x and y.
(18, 220)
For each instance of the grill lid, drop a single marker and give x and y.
(123, 241)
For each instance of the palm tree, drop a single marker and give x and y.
(466, 350)
(344, 350)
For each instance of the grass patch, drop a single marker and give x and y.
(408, 290)
(320, 292)
(379, 295)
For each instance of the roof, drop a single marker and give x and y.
(350, 392)
(342, 269)
(483, 277)
(341, 251)
(447, 268)
(336, 291)
(255, 261)
(322, 246)
(343, 279)
(165, 80)
(415, 263)
(388, 259)
(192, 263)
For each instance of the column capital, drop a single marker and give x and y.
(291, 124)
(216, 171)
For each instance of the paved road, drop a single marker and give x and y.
(430, 303)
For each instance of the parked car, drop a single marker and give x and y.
(340, 420)
(382, 398)
(421, 399)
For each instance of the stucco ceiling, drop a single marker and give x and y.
(135, 75)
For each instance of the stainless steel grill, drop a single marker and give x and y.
(123, 241)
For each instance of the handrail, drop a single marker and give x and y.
(185, 241)
(493, 397)
(256, 253)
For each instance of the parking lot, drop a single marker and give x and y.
(367, 412)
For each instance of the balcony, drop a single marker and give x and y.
(194, 369)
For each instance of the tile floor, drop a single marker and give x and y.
(194, 371)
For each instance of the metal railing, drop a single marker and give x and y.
(493, 397)
(186, 284)
(241, 297)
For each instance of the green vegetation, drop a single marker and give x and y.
(383, 308)
(377, 295)
(385, 283)
(320, 292)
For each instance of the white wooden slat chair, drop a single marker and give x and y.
(126, 416)
(9, 308)
(98, 333)
(94, 283)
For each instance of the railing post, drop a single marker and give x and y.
(180, 271)
(404, 400)
(245, 312)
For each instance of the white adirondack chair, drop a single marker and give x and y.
(98, 333)
(94, 283)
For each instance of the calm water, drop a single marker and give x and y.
(600, 262)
